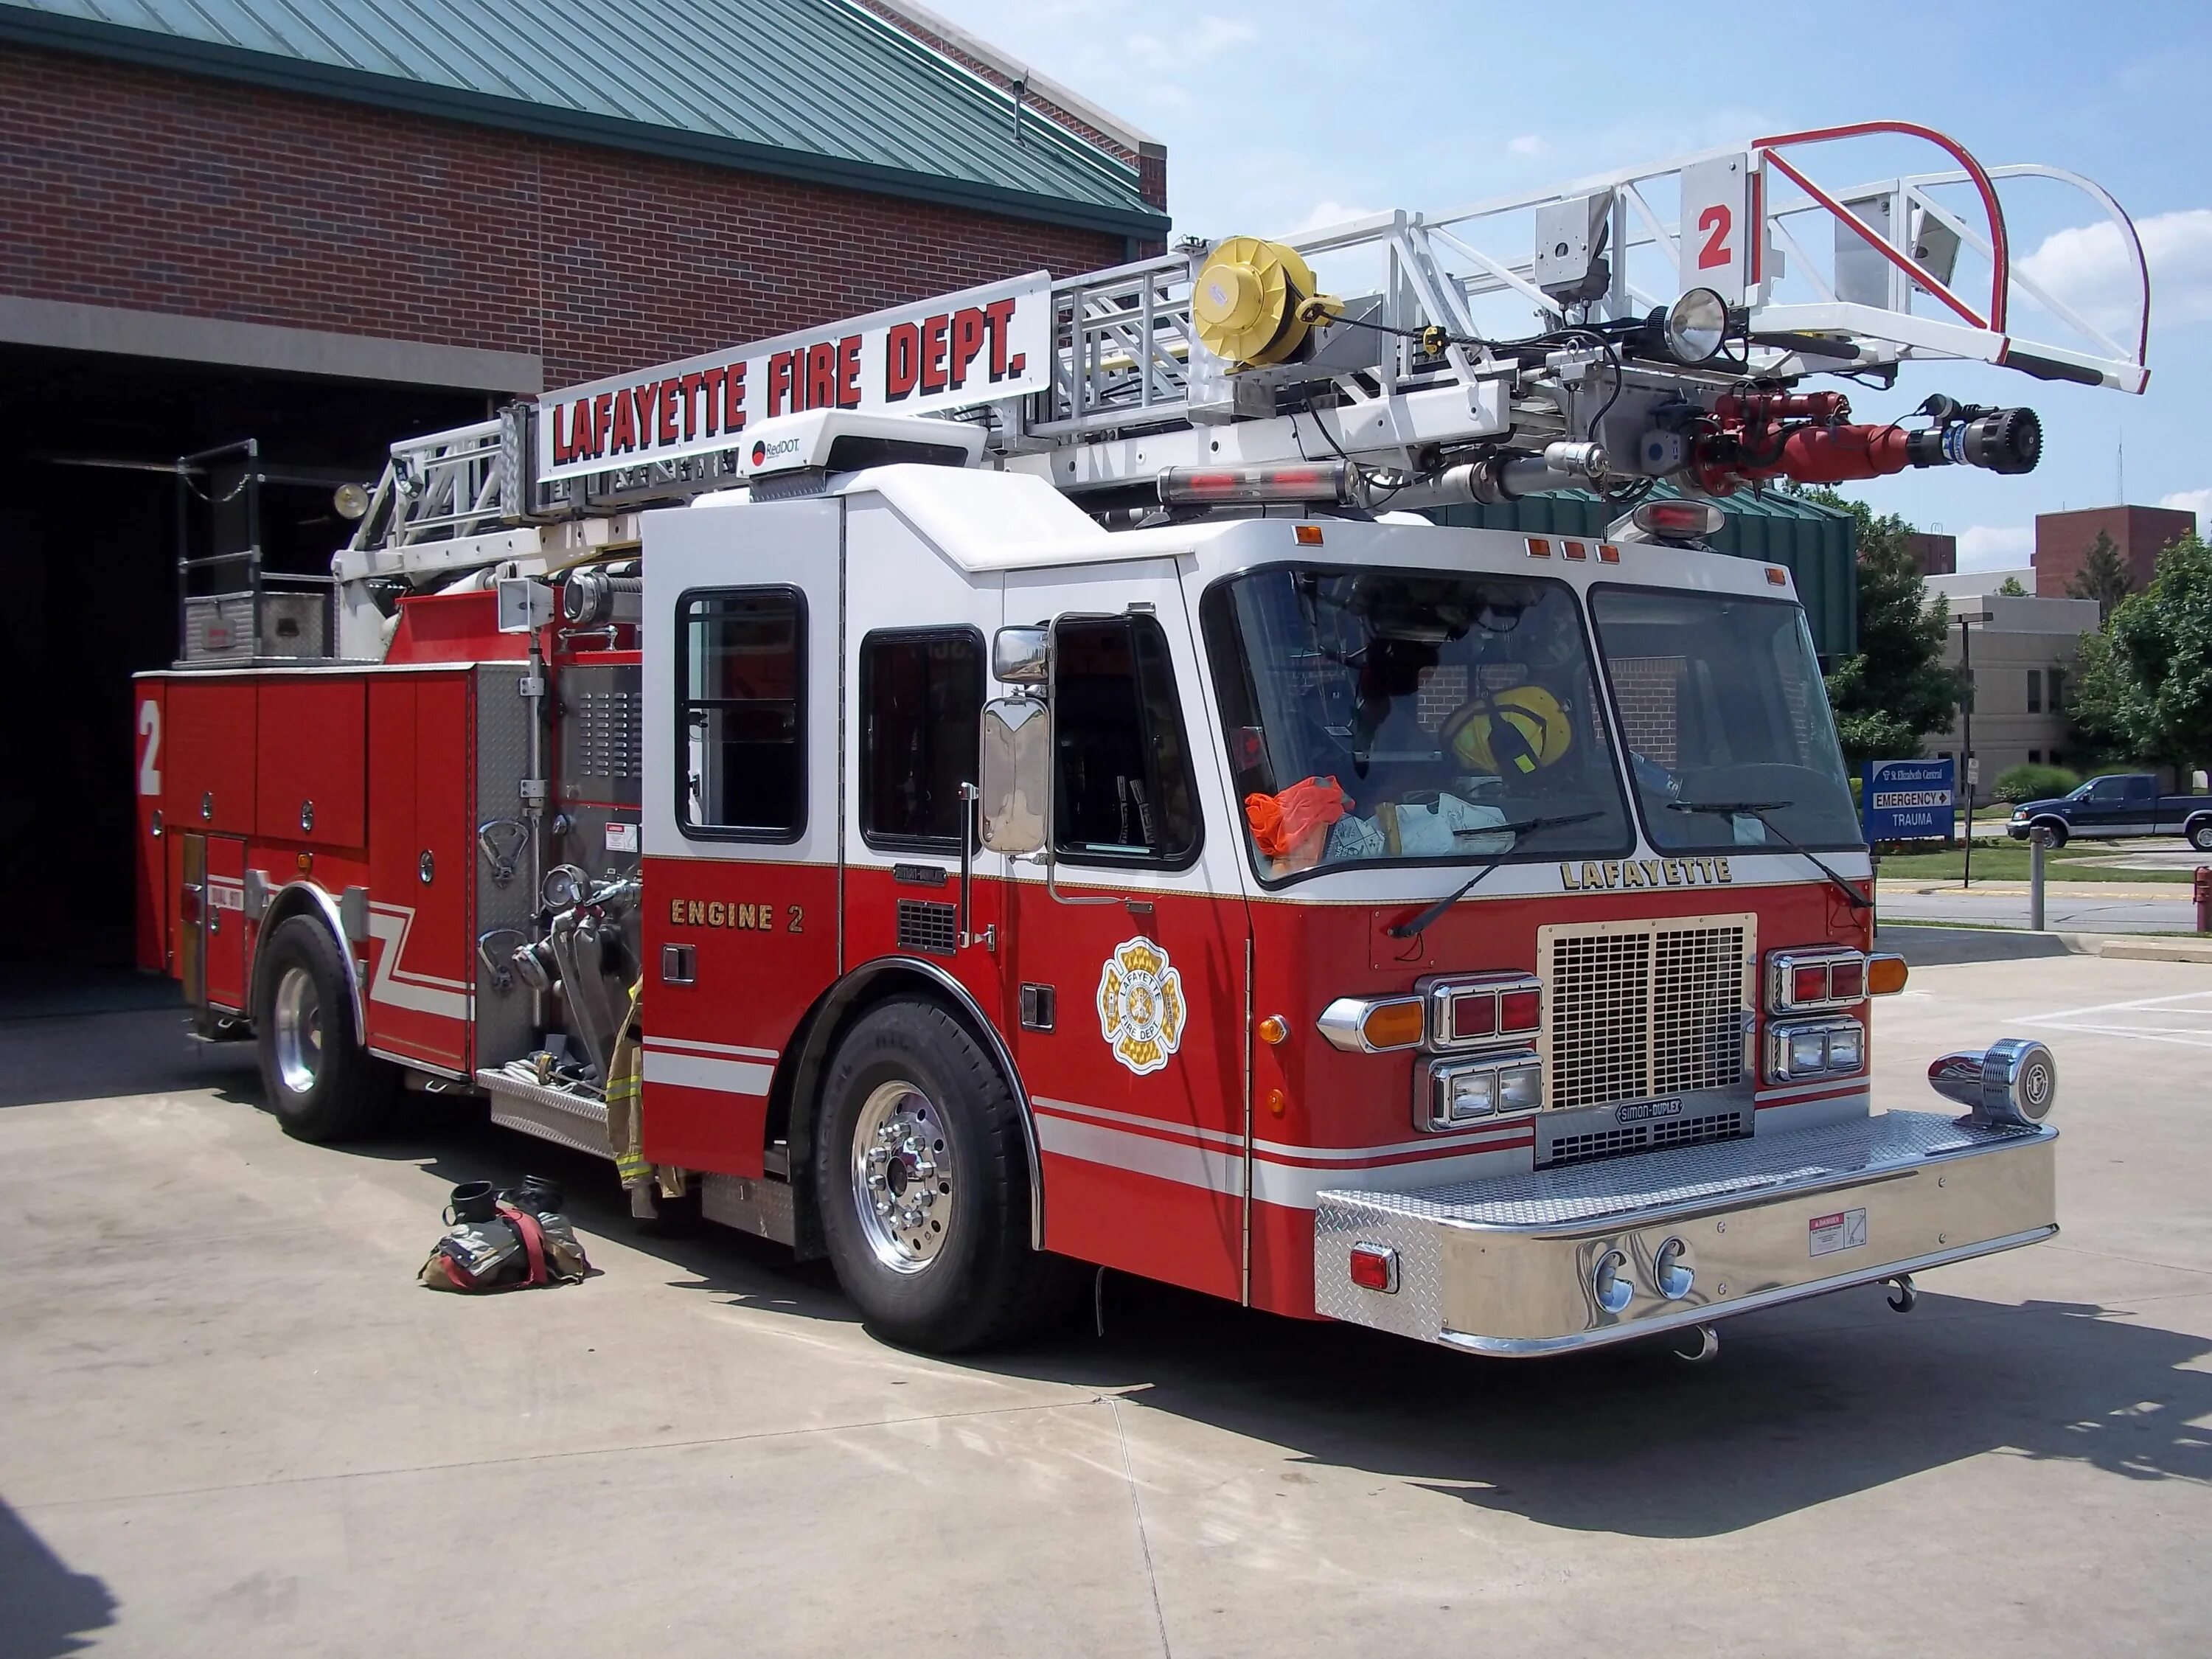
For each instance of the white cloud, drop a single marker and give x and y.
(1994, 547)
(2198, 501)
(1322, 215)
(1210, 39)
(2089, 269)
(1527, 143)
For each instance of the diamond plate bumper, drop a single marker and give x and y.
(1512, 1266)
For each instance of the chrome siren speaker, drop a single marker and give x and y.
(2008, 1085)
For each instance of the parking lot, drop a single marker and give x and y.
(234, 1425)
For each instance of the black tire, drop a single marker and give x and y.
(320, 1082)
(2057, 831)
(2200, 834)
(967, 1282)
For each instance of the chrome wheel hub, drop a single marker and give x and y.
(297, 1015)
(902, 1179)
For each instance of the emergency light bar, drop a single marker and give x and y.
(1217, 486)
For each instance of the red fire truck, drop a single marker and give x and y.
(1052, 804)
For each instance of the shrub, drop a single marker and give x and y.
(2021, 783)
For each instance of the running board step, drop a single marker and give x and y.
(576, 1122)
(751, 1204)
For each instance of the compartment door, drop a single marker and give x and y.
(156, 903)
(224, 907)
(420, 989)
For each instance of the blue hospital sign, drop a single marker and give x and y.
(1908, 799)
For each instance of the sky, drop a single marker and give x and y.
(1297, 115)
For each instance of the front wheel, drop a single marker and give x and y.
(2058, 832)
(2200, 834)
(321, 1084)
(923, 1185)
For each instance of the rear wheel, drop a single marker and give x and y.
(923, 1187)
(2200, 834)
(321, 1084)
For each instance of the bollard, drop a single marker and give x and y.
(2201, 886)
(2039, 841)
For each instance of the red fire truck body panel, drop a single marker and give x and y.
(155, 891)
(421, 860)
(211, 742)
(766, 940)
(311, 779)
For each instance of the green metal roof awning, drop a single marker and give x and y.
(819, 90)
(1817, 544)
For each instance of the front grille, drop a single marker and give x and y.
(1641, 1137)
(934, 928)
(1640, 1010)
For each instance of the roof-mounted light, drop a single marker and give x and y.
(1678, 520)
(1219, 486)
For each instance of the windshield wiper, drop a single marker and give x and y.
(1758, 810)
(1419, 923)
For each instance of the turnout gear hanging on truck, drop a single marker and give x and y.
(625, 1121)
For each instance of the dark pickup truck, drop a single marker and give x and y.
(2120, 804)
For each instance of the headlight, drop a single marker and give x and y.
(1797, 1050)
(1451, 1094)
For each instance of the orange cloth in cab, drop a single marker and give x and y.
(1283, 825)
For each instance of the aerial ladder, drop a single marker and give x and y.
(1654, 326)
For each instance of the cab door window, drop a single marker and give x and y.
(921, 696)
(1123, 792)
(741, 714)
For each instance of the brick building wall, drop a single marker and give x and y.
(159, 192)
(1936, 555)
(2062, 540)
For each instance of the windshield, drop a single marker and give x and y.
(1411, 716)
(1720, 703)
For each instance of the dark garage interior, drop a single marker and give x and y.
(90, 551)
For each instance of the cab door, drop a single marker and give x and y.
(1128, 962)
(742, 839)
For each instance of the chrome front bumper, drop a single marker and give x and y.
(1511, 1266)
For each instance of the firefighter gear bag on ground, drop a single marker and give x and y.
(506, 1242)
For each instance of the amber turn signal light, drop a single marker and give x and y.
(1885, 973)
(1373, 1025)
(1399, 1024)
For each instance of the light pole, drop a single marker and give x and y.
(1967, 733)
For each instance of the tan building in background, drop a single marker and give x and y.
(2023, 652)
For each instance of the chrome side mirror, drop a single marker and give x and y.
(1016, 771)
(1022, 656)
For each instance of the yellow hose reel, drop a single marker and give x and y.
(1255, 302)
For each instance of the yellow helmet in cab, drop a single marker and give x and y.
(1514, 730)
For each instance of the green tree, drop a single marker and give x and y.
(2104, 577)
(2010, 588)
(1895, 690)
(2143, 686)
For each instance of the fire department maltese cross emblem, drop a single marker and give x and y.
(1141, 1006)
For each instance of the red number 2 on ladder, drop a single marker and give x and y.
(1715, 222)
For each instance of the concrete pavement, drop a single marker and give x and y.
(234, 1426)
(2086, 906)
